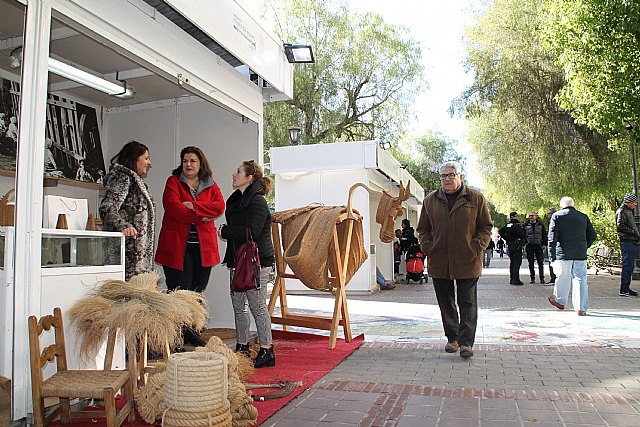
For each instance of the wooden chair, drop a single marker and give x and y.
(69, 384)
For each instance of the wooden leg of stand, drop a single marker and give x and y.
(111, 345)
(132, 363)
(346, 326)
(335, 322)
(166, 351)
(142, 365)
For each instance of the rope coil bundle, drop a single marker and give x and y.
(196, 382)
(221, 417)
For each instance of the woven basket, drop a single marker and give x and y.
(196, 382)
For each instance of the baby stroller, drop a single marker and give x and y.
(415, 264)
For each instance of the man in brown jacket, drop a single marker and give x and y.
(453, 230)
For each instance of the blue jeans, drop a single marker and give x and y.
(380, 280)
(571, 276)
(253, 300)
(628, 250)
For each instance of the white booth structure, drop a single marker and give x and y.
(78, 80)
(323, 174)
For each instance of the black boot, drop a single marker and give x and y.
(244, 349)
(264, 358)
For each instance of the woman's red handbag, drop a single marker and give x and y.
(247, 267)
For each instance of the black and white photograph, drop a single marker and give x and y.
(72, 138)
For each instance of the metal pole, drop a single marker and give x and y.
(634, 166)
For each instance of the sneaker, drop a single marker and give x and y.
(466, 352)
(542, 281)
(633, 293)
(550, 284)
(582, 312)
(388, 287)
(451, 347)
(533, 280)
(625, 294)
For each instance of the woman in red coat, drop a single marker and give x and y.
(188, 245)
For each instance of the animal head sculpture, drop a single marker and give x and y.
(389, 208)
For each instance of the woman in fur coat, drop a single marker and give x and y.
(128, 206)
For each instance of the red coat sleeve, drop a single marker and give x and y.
(211, 206)
(172, 203)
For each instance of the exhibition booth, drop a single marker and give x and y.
(78, 80)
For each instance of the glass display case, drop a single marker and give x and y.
(73, 262)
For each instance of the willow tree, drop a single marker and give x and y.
(597, 43)
(530, 150)
(422, 157)
(363, 82)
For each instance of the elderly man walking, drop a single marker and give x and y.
(454, 228)
(570, 234)
(629, 239)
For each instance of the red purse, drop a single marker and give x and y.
(246, 275)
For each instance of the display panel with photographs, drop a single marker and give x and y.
(72, 138)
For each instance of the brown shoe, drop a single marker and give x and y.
(555, 303)
(451, 347)
(466, 352)
(582, 313)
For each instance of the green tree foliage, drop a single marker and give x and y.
(423, 156)
(363, 82)
(597, 43)
(530, 150)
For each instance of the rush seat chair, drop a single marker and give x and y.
(70, 384)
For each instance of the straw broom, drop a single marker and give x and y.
(136, 308)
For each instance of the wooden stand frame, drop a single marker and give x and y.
(137, 363)
(340, 312)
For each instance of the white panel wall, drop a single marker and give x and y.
(226, 140)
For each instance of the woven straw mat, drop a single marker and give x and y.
(307, 234)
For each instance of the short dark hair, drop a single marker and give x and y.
(406, 222)
(128, 155)
(205, 169)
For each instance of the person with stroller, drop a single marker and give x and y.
(407, 236)
(415, 264)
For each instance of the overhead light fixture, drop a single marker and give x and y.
(298, 53)
(72, 73)
(16, 58)
(294, 134)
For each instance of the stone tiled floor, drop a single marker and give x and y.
(533, 365)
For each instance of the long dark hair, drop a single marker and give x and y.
(128, 155)
(255, 170)
(205, 169)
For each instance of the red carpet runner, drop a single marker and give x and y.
(299, 357)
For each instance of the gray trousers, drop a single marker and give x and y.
(254, 300)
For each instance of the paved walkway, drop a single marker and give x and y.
(534, 365)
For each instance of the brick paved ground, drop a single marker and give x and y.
(415, 383)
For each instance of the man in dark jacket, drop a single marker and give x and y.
(453, 230)
(536, 237)
(513, 234)
(570, 234)
(629, 239)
